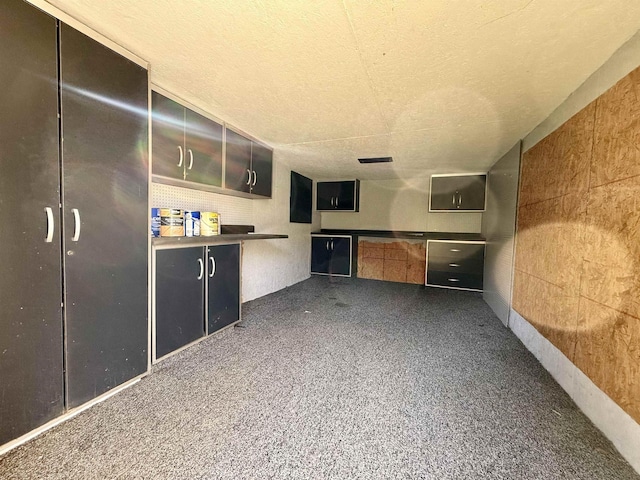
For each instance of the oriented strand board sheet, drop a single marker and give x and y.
(559, 164)
(396, 261)
(617, 136)
(577, 266)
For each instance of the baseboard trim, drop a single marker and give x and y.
(616, 424)
(67, 416)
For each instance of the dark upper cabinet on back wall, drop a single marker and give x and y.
(341, 196)
(461, 193)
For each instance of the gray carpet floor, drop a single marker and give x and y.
(337, 379)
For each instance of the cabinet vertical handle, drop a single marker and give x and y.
(331, 244)
(327, 245)
(459, 199)
(201, 264)
(190, 159)
(181, 155)
(50, 225)
(213, 267)
(453, 199)
(248, 177)
(337, 201)
(255, 179)
(77, 224)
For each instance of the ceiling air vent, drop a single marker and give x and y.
(376, 160)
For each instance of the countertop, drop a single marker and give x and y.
(404, 234)
(214, 239)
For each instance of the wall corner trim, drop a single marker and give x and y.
(616, 424)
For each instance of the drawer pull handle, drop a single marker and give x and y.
(454, 264)
(453, 279)
(455, 250)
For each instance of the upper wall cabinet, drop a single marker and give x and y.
(458, 193)
(342, 196)
(248, 165)
(186, 145)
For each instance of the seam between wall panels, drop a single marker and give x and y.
(584, 233)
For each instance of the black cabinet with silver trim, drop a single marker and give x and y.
(97, 181)
(342, 196)
(196, 291)
(186, 145)
(458, 193)
(458, 265)
(331, 255)
(248, 165)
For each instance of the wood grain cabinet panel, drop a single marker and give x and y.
(392, 261)
(617, 132)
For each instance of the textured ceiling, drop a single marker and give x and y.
(439, 85)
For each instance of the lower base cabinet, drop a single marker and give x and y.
(458, 265)
(331, 255)
(193, 284)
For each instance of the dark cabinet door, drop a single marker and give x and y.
(223, 275)
(301, 199)
(472, 193)
(340, 256)
(261, 166)
(203, 149)
(346, 199)
(167, 128)
(179, 298)
(104, 100)
(320, 254)
(238, 175)
(458, 192)
(326, 194)
(30, 290)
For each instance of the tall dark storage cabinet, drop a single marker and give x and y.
(31, 368)
(73, 144)
(104, 103)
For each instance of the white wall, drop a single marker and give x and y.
(399, 205)
(270, 265)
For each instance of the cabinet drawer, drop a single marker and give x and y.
(473, 265)
(456, 251)
(455, 280)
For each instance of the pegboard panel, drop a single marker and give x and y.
(232, 210)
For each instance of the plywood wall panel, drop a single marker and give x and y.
(612, 246)
(395, 270)
(559, 164)
(617, 134)
(608, 352)
(577, 266)
(548, 233)
(549, 308)
(396, 261)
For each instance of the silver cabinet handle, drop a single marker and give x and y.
(201, 263)
(453, 280)
(190, 159)
(331, 201)
(337, 200)
(249, 177)
(454, 250)
(50, 225)
(213, 267)
(181, 156)
(453, 199)
(331, 244)
(255, 179)
(327, 244)
(454, 265)
(459, 199)
(77, 224)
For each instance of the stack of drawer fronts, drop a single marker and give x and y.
(456, 265)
